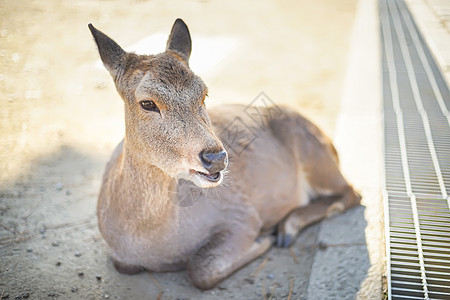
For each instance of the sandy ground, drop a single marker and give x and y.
(60, 118)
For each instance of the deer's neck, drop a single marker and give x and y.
(149, 190)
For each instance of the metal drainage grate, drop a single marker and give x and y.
(417, 160)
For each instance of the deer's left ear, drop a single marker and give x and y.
(112, 55)
(180, 40)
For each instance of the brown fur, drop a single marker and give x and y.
(288, 163)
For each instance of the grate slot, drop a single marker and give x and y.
(438, 295)
(406, 297)
(407, 230)
(407, 292)
(402, 237)
(407, 265)
(435, 233)
(440, 229)
(438, 274)
(440, 283)
(438, 218)
(402, 211)
(436, 222)
(403, 277)
(404, 256)
(399, 270)
(442, 215)
(407, 285)
(437, 243)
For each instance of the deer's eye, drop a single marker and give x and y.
(149, 105)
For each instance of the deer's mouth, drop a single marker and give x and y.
(211, 177)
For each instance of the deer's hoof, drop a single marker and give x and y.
(284, 240)
(335, 209)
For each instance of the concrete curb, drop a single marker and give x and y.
(359, 142)
(435, 33)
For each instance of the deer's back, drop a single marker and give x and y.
(270, 149)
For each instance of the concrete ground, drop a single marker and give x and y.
(60, 118)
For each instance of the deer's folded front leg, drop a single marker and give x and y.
(318, 210)
(225, 253)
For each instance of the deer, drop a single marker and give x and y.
(286, 178)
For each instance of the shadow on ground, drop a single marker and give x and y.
(50, 246)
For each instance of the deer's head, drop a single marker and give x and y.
(165, 116)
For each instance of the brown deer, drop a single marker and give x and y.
(285, 178)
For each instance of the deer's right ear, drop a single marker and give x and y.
(111, 53)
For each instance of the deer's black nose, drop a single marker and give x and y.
(214, 161)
